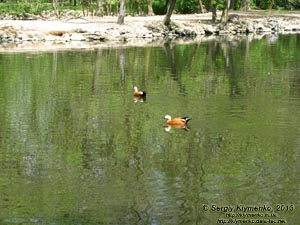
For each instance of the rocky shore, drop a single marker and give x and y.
(77, 31)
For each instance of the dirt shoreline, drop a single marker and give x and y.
(87, 32)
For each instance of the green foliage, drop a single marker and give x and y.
(294, 4)
(275, 4)
(252, 4)
(144, 7)
(288, 4)
(21, 8)
(159, 7)
(237, 5)
(184, 6)
(262, 4)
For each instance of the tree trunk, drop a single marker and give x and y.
(150, 9)
(168, 15)
(138, 7)
(233, 4)
(224, 17)
(245, 5)
(85, 7)
(99, 11)
(73, 2)
(166, 6)
(213, 9)
(201, 6)
(122, 12)
(107, 7)
(55, 4)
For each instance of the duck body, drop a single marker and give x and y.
(177, 122)
(138, 93)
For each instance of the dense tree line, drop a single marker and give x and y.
(142, 7)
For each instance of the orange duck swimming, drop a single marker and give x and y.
(139, 96)
(138, 93)
(179, 122)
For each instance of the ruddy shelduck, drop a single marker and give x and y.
(138, 93)
(179, 122)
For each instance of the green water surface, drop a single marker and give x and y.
(76, 148)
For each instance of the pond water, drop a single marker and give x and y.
(76, 148)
